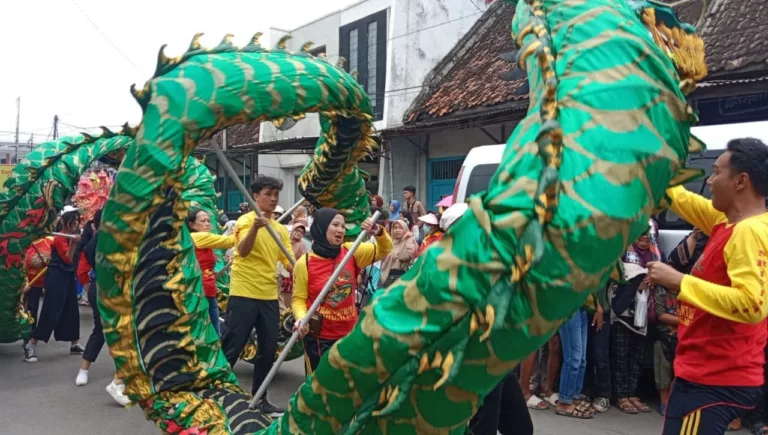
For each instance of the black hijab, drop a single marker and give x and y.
(319, 229)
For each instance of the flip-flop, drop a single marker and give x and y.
(552, 399)
(534, 402)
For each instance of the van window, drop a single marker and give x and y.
(480, 178)
(670, 221)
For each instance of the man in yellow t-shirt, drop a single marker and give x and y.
(253, 301)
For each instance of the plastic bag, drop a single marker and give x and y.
(641, 309)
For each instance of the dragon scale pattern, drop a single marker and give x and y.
(607, 131)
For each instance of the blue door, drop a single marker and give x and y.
(441, 179)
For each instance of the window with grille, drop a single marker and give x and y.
(364, 44)
(372, 28)
(353, 49)
(445, 169)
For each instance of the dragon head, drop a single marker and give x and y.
(678, 39)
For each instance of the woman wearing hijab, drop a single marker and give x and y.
(628, 340)
(199, 224)
(402, 255)
(394, 212)
(337, 315)
(60, 315)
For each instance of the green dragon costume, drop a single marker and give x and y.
(37, 190)
(30, 201)
(608, 129)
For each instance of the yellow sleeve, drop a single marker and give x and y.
(213, 241)
(369, 253)
(241, 228)
(300, 292)
(746, 255)
(694, 209)
(286, 238)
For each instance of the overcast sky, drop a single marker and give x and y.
(60, 62)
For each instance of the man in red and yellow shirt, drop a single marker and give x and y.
(722, 304)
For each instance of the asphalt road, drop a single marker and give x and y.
(42, 398)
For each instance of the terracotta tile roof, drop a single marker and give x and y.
(468, 77)
(238, 136)
(736, 37)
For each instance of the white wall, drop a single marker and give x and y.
(419, 34)
(431, 28)
(409, 165)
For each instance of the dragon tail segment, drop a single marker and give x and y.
(155, 324)
(29, 202)
(607, 131)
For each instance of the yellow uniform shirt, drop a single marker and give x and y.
(255, 276)
(729, 280)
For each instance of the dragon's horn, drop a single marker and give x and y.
(305, 48)
(256, 37)
(283, 40)
(195, 44)
(227, 39)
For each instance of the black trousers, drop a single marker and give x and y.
(503, 410)
(695, 409)
(60, 315)
(314, 349)
(243, 315)
(96, 339)
(33, 303)
(759, 415)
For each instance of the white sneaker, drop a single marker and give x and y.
(82, 378)
(117, 391)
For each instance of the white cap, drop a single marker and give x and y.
(452, 214)
(280, 210)
(429, 219)
(68, 209)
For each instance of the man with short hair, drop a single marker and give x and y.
(722, 303)
(253, 301)
(415, 207)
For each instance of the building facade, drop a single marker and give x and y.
(392, 45)
(464, 103)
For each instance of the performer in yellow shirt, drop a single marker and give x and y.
(253, 288)
(722, 304)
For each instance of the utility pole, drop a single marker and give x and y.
(55, 127)
(18, 118)
(31, 141)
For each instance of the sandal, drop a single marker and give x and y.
(759, 429)
(534, 402)
(582, 399)
(552, 399)
(626, 406)
(639, 405)
(581, 411)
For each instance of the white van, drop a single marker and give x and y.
(483, 161)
